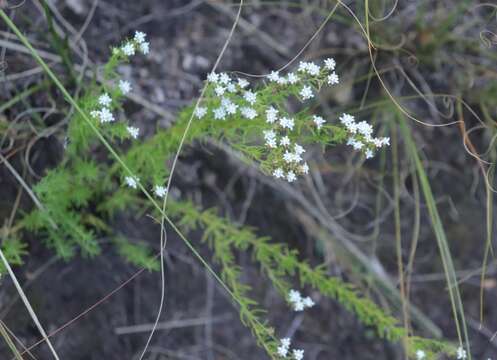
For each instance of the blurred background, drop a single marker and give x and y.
(436, 61)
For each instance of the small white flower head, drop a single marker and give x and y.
(358, 145)
(285, 141)
(287, 123)
(224, 78)
(219, 113)
(105, 115)
(284, 347)
(305, 170)
(292, 78)
(282, 351)
(420, 355)
(213, 77)
(369, 154)
(307, 301)
(219, 90)
(133, 131)
(291, 177)
(299, 150)
(313, 69)
(248, 113)
(319, 121)
(298, 354)
(271, 115)
(95, 113)
(139, 37)
(347, 119)
(124, 86)
(294, 295)
(461, 353)
(288, 157)
(200, 112)
(282, 80)
(285, 342)
(278, 173)
(333, 79)
(303, 66)
(243, 83)
(231, 108)
(104, 99)
(145, 48)
(160, 191)
(250, 97)
(270, 137)
(231, 87)
(132, 182)
(306, 93)
(274, 76)
(364, 128)
(385, 141)
(330, 64)
(128, 49)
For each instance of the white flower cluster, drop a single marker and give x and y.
(361, 136)
(104, 114)
(298, 302)
(229, 91)
(461, 353)
(284, 350)
(137, 43)
(420, 355)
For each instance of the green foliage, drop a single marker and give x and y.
(13, 249)
(85, 191)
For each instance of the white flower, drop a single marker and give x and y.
(305, 170)
(357, 145)
(95, 113)
(270, 137)
(243, 83)
(248, 112)
(306, 93)
(104, 99)
(274, 76)
(299, 150)
(278, 173)
(285, 342)
(298, 354)
(319, 121)
(288, 156)
(307, 301)
(294, 296)
(128, 49)
(124, 86)
(292, 78)
(200, 112)
(219, 113)
(461, 353)
(213, 77)
(330, 64)
(290, 176)
(333, 79)
(271, 115)
(160, 191)
(420, 355)
(313, 69)
(105, 116)
(231, 87)
(133, 131)
(220, 90)
(303, 66)
(231, 108)
(364, 128)
(287, 123)
(139, 37)
(250, 97)
(285, 141)
(282, 351)
(385, 141)
(132, 182)
(347, 119)
(282, 81)
(145, 48)
(224, 79)
(369, 154)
